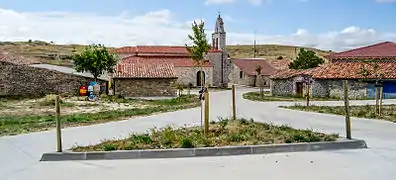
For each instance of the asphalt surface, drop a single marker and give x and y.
(19, 155)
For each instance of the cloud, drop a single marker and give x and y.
(157, 28)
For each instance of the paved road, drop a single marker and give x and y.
(19, 155)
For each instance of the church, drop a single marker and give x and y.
(174, 64)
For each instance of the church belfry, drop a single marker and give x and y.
(219, 35)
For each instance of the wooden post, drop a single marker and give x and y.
(347, 110)
(381, 98)
(58, 124)
(206, 123)
(233, 103)
(307, 95)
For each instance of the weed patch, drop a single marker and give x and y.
(366, 111)
(223, 133)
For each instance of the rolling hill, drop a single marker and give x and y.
(60, 54)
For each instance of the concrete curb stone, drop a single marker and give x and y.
(202, 152)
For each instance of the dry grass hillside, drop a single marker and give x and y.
(47, 52)
(270, 51)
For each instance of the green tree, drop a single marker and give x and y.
(306, 59)
(96, 60)
(200, 45)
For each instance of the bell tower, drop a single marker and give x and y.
(219, 35)
(219, 56)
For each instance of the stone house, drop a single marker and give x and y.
(347, 65)
(144, 79)
(20, 78)
(244, 72)
(216, 66)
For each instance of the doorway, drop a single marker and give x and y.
(199, 78)
(299, 89)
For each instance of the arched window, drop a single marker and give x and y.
(199, 82)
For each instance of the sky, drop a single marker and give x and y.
(326, 24)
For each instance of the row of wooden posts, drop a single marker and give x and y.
(378, 104)
(206, 114)
(346, 104)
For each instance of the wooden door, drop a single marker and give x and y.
(299, 89)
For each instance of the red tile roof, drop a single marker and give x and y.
(178, 50)
(181, 61)
(280, 64)
(145, 70)
(384, 50)
(342, 70)
(352, 70)
(248, 66)
(288, 73)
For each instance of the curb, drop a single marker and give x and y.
(202, 152)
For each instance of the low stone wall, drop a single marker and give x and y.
(22, 80)
(144, 87)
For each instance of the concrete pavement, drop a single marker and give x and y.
(19, 155)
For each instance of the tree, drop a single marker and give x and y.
(306, 59)
(95, 59)
(200, 45)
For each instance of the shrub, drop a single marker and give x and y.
(186, 143)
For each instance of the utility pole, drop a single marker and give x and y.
(254, 45)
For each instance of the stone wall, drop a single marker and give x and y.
(356, 89)
(221, 68)
(144, 87)
(22, 80)
(188, 75)
(282, 87)
(319, 88)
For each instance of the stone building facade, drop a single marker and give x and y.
(377, 60)
(244, 72)
(24, 80)
(145, 80)
(216, 67)
(319, 88)
(144, 87)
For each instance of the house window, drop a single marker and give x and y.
(240, 74)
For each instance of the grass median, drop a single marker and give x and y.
(366, 111)
(256, 96)
(13, 124)
(225, 132)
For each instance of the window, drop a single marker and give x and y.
(240, 74)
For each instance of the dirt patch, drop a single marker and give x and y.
(69, 105)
